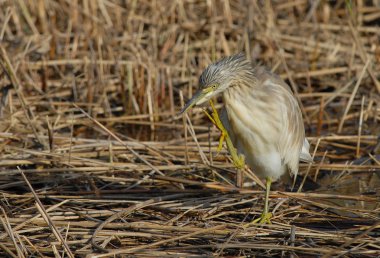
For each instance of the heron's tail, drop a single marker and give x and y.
(305, 155)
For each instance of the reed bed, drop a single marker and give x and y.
(95, 162)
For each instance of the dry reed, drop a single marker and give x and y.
(95, 163)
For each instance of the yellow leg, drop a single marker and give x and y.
(222, 129)
(238, 160)
(221, 140)
(266, 215)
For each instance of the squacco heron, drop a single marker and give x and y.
(261, 118)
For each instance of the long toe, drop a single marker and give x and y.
(264, 218)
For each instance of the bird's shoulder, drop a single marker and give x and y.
(266, 78)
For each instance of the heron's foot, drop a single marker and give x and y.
(264, 218)
(221, 140)
(266, 215)
(214, 118)
(238, 161)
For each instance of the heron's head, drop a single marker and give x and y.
(218, 77)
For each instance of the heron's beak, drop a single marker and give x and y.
(199, 97)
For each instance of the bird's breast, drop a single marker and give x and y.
(253, 118)
(255, 124)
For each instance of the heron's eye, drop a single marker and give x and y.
(214, 86)
(210, 88)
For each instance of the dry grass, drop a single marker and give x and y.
(94, 161)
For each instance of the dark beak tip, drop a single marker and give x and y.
(182, 112)
(190, 104)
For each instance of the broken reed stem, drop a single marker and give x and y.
(125, 66)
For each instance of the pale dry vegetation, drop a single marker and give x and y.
(94, 160)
